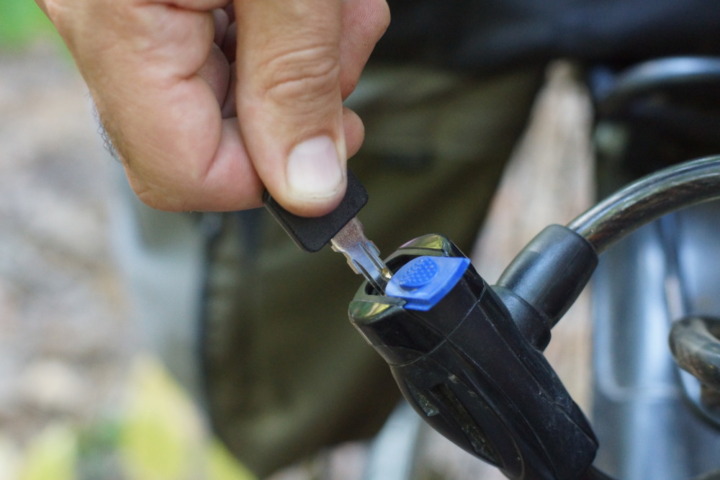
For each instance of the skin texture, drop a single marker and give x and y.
(207, 102)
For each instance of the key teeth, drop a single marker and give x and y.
(372, 249)
(362, 255)
(374, 254)
(353, 265)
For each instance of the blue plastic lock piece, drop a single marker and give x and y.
(424, 281)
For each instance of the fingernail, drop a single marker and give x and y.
(314, 169)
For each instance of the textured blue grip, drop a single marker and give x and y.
(424, 281)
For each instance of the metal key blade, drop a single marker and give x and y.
(362, 254)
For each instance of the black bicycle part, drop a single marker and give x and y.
(686, 80)
(663, 111)
(544, 280)
(476, 375)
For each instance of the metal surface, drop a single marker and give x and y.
(695, 343)
(362, 255)
(648, 199)
(646, 428)
(698, 255)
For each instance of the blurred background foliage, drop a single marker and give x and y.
(22, 22)
(156, 433)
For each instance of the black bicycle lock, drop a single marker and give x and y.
(468, 357)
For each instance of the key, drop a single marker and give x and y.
(362, 255)
(342, 229)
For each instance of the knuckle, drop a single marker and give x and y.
(301, 76)
(153, 194)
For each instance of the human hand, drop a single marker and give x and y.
(207, 102)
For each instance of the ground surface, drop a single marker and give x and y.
(64, 335)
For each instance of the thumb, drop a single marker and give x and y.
(289, 99)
